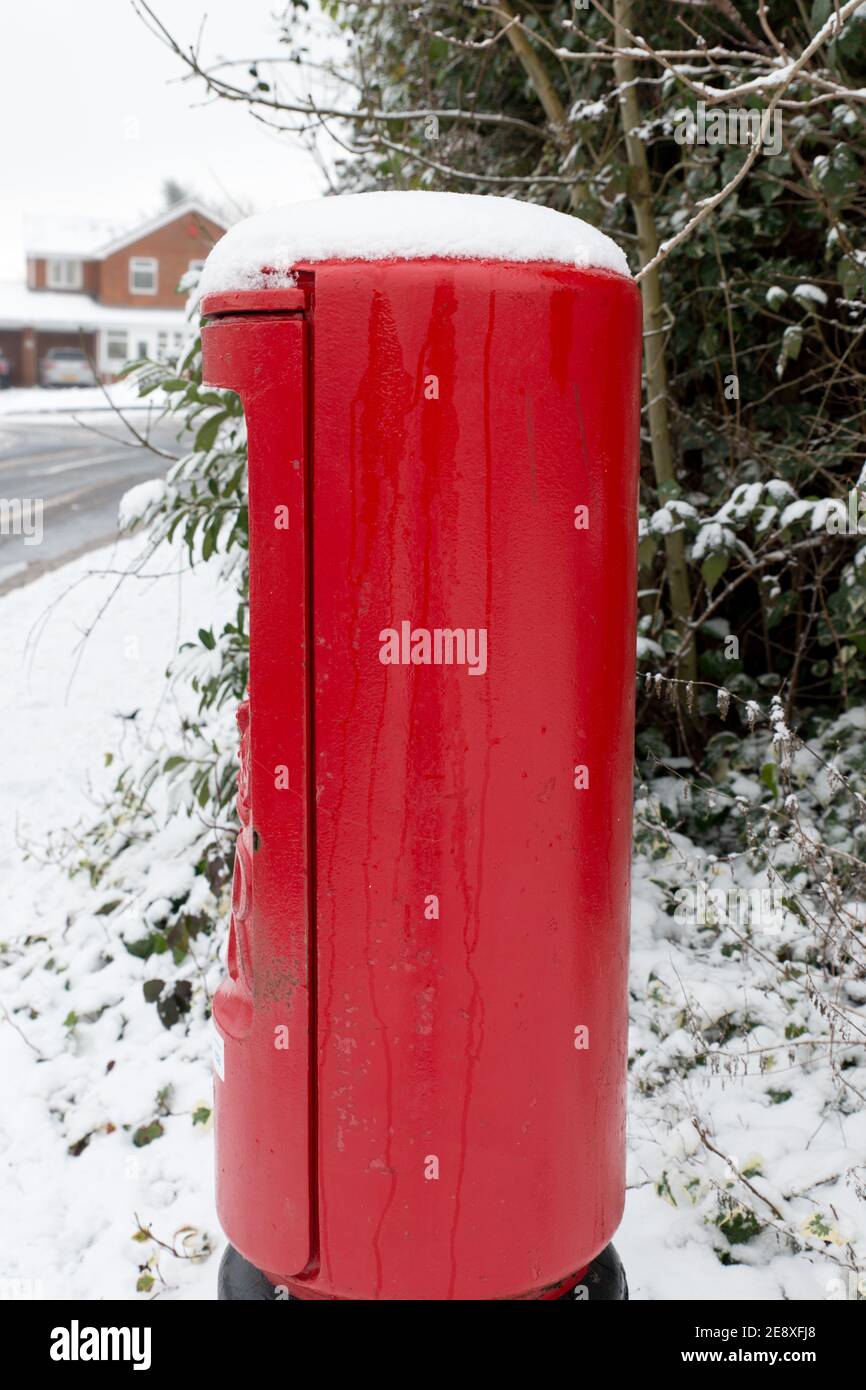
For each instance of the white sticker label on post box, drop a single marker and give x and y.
(218, 1051)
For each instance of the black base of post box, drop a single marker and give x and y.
(240, 1281)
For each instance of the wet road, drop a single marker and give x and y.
(79, 471)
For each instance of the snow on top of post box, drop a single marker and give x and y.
(259, 252)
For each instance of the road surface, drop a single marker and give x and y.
(79, 468)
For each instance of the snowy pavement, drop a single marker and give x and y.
(106, 1145)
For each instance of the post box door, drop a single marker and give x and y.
(262, 1010)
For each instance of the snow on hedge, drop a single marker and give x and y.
(262, 250)
(135, 503)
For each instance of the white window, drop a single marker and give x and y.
(116, 345)
(143, 274)
(63, 273)
(178, 340)
(162, 346)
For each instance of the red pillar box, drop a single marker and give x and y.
(421, 1039)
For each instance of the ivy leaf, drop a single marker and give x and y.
(176, 1002)
(792, 343)
(145, 1134)
(713, 568)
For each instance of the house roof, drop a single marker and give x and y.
(95, 238)
(67, 236)
(21, 307)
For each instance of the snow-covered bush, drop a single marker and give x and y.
(175, 803)
(748, 1053)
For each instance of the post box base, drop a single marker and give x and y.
(240, 1281)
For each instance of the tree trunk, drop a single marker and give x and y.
(640, 194)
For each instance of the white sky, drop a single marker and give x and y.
(94, 119)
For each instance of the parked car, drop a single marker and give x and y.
(5, 372)
(66, 366)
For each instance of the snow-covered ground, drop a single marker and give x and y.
(106, 1141)
(781, 1151)
(68, 1070)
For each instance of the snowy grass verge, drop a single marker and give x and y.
(91, 1153)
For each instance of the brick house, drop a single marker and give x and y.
(113, 293)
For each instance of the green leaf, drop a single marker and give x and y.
(146, 1134)
(646, 551)
(792, 342)
(206, 437)
(770, 778)
(669, 489)
(839, 173)
(200, 1115)
(171, 1006)
(778, 612)
(105, 909)
(779, 1097)
(145, 946)
(206, 637)
(178, 939)
(211, 536)
(713, 568)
